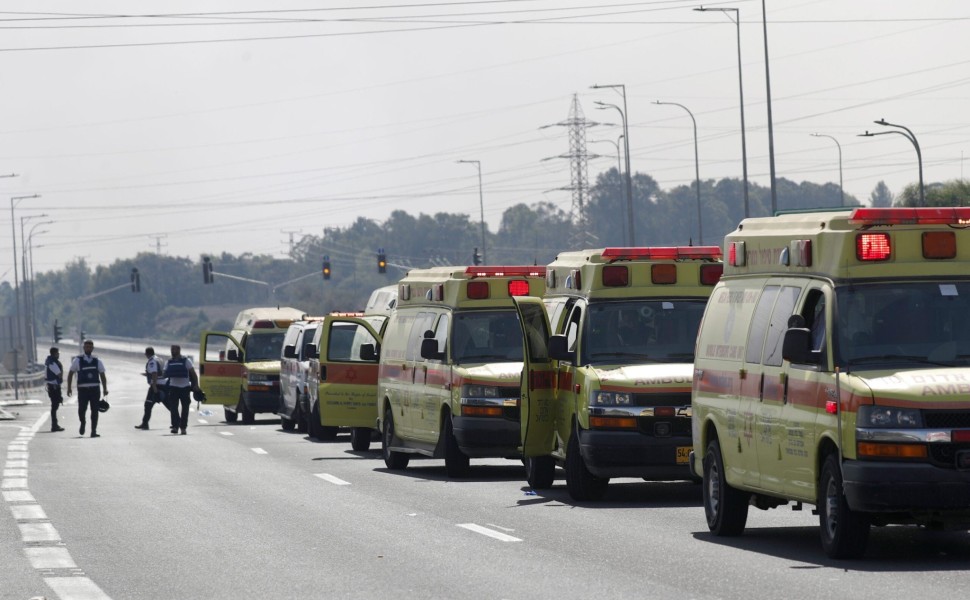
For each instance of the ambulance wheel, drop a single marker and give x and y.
(456, 461)
(396, 461)
(287, 424)
(231, 415)
(726, 508)
(316, 428)
(540, 471)
(248, 417)
(360, 438)
(844, 533)
(298, 418)
(580, 483)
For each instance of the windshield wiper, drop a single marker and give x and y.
(889, 357)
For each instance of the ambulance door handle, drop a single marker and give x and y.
(761, 388)
(323, 372)
(424, 369)
(784, 385)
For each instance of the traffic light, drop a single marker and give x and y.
(476, 257)
(57, 332)
(207, 276)
(135, 281)
(381, 261)
(326, 267)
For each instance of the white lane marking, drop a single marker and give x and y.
(203, 421)
(13, 484)
(17, 456)
(15, 464)
(50, 558)
(76, 588)
(24, 512)
(18, 496)
(15, 472)
(489, 532)
(500, 527)
(332, 479)
(38, 532)
(259, 451)
(225, 433)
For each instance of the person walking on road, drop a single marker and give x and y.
(54, 376)
(90, 370)
(182, 381)
(153, 369)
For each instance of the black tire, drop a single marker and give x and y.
(396, 461)
(287, 424)
(248, 416)
(725, 507)
(231, 415)
(298, 418)
(456, 461)
(360, 438)
(316, 428)
(844, 533)
(582, 485)
(540, 471)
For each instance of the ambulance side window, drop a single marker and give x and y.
(814, 314)
(572, 328)
(422, 323)
(759, 324)
(441, 331)
(784, 307)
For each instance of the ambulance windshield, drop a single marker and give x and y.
(630, 332)
(486, 336)
(264, 346)
(919, 322)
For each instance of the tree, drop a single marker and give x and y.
(881, 197)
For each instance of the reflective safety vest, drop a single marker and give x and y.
(176, 368)
(158, 368)
(51, 377)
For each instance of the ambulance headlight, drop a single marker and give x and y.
(888, 417)
(601, 398)
(480, 391)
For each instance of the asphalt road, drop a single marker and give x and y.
(250, 511)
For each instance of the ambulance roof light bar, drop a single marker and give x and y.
(950, 215)
(663, 253)
(518, 271)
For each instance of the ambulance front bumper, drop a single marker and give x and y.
(633, 454)
(899, 487)
(262, 402)
(487, 437)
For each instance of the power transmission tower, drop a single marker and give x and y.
(577, 125)
(158, 242)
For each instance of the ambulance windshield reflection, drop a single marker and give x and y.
(487, 336)
(921, 322)
(264, 346)
(630, 332)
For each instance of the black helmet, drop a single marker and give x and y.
(198, 395)
(103, 405)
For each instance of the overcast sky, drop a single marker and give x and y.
(198, 127)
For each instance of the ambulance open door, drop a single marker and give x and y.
(220, 368)
(348, 381)
(537, 410)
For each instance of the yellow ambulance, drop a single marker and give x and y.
(609, 353)
(451, 364)
(342, 382)
(833, 369)
(241, 369)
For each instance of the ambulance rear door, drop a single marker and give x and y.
(347, 381)
(220, 368)
(537, 410)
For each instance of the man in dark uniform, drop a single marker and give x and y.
(54, 376)
(153, 370)
(89, 369)
(182, 380)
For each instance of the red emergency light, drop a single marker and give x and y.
(939, 244)
(477, 290)
(663, 274)
(951, 215)
(663, 253)
(711, 274)
(518, 287)
(264, 325)
(873, 247)
(616, 276)
(519, 271)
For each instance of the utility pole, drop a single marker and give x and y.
(158, 242)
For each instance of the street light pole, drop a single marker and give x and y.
(481, 201)
(29, 275)
(912, 138)
(28, 317)
(631, 232)
(744, 144)
(771, 133)
(841, 189)
(619, 157)
(697, 172)
(16, 286)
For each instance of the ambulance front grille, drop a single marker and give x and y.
(663, 399)
(946, 419)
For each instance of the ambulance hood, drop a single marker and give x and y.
(646, 376)
(506, 371)
(263, 366)
(915, 385)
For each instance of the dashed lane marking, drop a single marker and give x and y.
(502, 537)
(76, 588)
(332, 479)
(259, 451)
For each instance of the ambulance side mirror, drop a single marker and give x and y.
(310, 351)
(429, 349)
(797, 347)
(289, 351)
(369, 353)
(559, 349)
(232, 355)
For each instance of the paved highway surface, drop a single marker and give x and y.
(250, 511)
